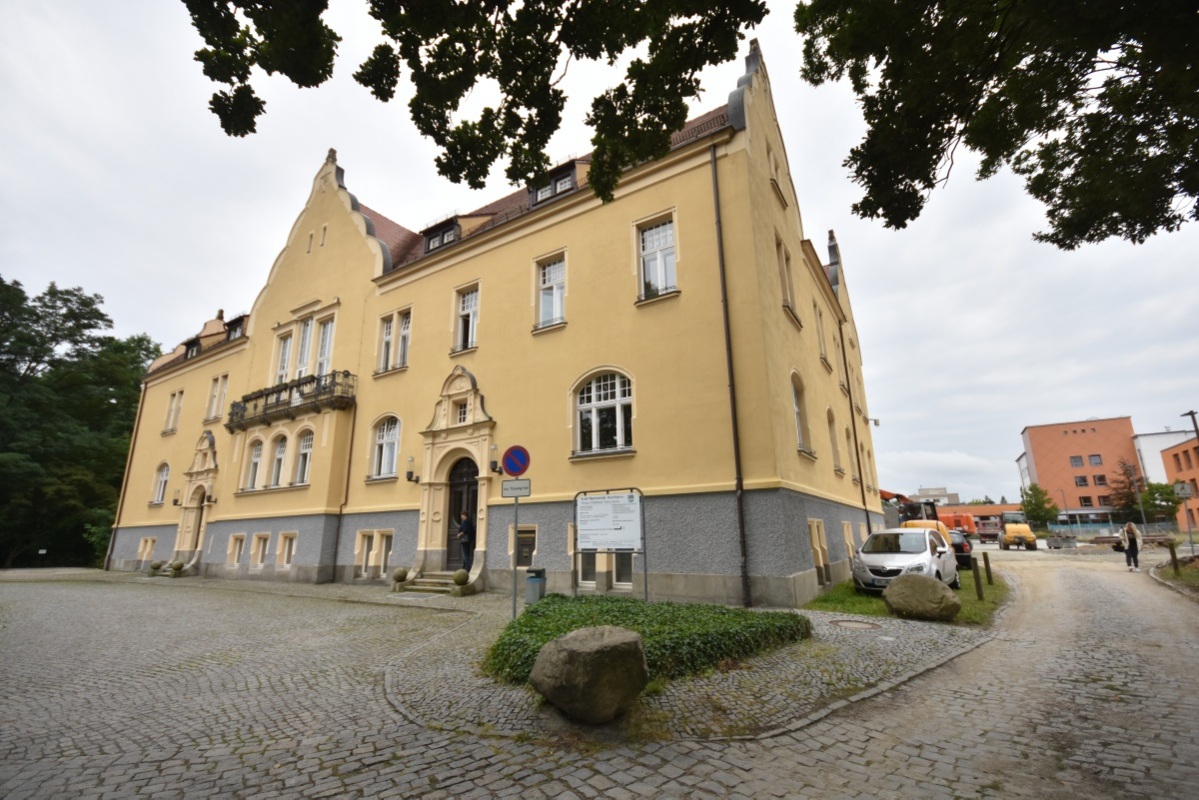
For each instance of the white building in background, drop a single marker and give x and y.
(1149, 452)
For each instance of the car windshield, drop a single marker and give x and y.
(915, 542)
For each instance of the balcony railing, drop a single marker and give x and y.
(334, 390)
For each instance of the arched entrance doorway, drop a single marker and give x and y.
(464, 496)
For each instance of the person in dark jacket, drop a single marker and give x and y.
(466, 540)
(1130, 537)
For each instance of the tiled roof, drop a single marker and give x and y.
(399, 240)
(517, 203)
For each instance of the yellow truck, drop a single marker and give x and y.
(1014, 530)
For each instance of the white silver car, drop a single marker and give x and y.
(887, 554)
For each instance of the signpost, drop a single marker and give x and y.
(611, 520)
(516, 461)
(1183, 491)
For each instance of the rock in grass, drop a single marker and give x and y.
(921, 597)
(592, 675)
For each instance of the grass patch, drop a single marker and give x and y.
(1188, 577)
(680, 638)
(844, 599)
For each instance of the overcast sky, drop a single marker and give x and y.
(118, 179)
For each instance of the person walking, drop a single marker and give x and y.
(466, 540)
(1130, 537)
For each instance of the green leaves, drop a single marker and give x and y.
(522, 49)
(1095, 104)
(680, 639)
(1038, 506)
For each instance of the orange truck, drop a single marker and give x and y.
(962, 522)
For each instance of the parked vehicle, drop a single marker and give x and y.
(962, 522)
(961, 547)
(887, 554)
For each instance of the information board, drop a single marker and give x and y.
(609, 521)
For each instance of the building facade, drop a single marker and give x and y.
(1181, 463)
(1074, 462)
(685, 340)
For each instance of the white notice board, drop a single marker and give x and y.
(609, 521)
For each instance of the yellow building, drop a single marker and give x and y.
(684, 340)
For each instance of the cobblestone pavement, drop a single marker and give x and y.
(129, 686)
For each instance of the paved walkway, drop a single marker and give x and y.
(129, 686)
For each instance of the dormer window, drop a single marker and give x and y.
(234, 330)
(193, 349)
(441, 236)
(559, 182)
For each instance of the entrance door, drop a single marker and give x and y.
(464, 496)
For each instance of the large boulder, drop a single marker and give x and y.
(592, 675)
(921, 597)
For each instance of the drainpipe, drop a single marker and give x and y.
(137, 423)
(346, 494)
(739, 478)
(853, 418)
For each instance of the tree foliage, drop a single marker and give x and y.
(1094, 102)
(68, 397)
(522, 47)
(1038, 507)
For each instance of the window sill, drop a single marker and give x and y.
(382, 478)
(792, 315)
(824, 360)
(379, 373)
(555, 325)
(168, 431)
(210, 420)
(270, 489)
(593, 455)
(665, 294)
(462, 350)
(840, 471)
(155, 504)
(844, 390)
(807, 453)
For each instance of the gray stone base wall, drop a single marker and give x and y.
(691, 544)
(127, 541)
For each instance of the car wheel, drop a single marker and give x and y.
(957, 582)
(1032, 545)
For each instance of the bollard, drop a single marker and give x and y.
(1174, 559)
(978, 583)
(987, 564)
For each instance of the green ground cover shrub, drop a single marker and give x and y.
(680, 638)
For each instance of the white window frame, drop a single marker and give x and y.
(551, 291)
(387, 448)
(786, 278)
(286, 550)
(803, 431)
(657, 257)
(304, 457)
(161, 476)
(259, 550)
(254, 464)
(278, 458)
(304, 351)
(603, 392)
(237, 545)
(466, 328)
(174, 409)
(283, 361)
(324, 350)
(386, 326)
(404, 339)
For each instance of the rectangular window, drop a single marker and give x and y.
(1186, 456)
(564, 184)
(1105, 499)
(237, 543)
(552, 293)
(1100, 480)
(657, 258)
(460, 413)
(384, 552)
(1076, 461)
(1096, 460)
(324, 350)
(385, 345)
(1086, 502)
(145, 549)
(818, 313)
(786, 280)
(252, 467)
(1177, 463)
(405, 338)
(284, 360)
(622, 568)
(287, 550)
(819, 547)
(174, 409)
(277, 461)
(262, 543)
(216, 397)
(587, 568)
(526, 545)
(468, 318)
(1080, 480)
(305, 348)
(544, 192)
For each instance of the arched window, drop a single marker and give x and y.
(387, 440)
(277, 458)
(304, 458)
(160, 483)
(253, 464)
(802, 434)
(604, 407)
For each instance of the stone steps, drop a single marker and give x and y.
(433, 583)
